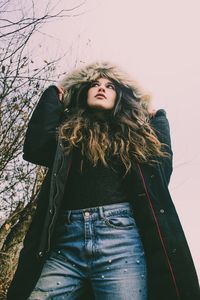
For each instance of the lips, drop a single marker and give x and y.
(100, 95)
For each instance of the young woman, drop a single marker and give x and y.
(105, 226)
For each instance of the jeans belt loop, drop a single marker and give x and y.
(101, 212)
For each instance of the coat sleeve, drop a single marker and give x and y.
(40, 139)
(161, 127)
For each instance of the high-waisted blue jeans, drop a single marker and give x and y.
(99, 245)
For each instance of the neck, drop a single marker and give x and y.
(101, 115)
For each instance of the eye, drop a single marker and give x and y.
(111, 86)
(93, 84)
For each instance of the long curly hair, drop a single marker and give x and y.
(124, 133)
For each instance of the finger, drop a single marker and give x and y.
(60, 90)
(153, 113)
(60, 96)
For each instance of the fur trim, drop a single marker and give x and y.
(91, 72)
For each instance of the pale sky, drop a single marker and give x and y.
(157, 42)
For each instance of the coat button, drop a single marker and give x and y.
(162, 211)
(54, 174)
(152, 176)
(51, 211)
(174, 251)
(40, 253)
(141, 194)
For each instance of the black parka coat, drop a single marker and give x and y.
(171, 272)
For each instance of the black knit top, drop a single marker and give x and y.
(91, 186)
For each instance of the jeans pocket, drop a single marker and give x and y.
(120, 222)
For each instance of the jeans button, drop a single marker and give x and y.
(86, 214)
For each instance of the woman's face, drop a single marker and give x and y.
(102, 94)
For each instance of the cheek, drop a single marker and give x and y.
(89, 95)
(114, 97)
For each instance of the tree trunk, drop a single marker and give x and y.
(12, 245)
(9, 223)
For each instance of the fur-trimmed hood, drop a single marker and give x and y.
(73, 82)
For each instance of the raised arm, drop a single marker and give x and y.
(41, 140)
(160, 124)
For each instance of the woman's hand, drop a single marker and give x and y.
(151, 110)
(60, 92)
(152, 113)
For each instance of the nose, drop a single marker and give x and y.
(101, 88)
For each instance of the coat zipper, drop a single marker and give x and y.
(54, 214)
(159, 232)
